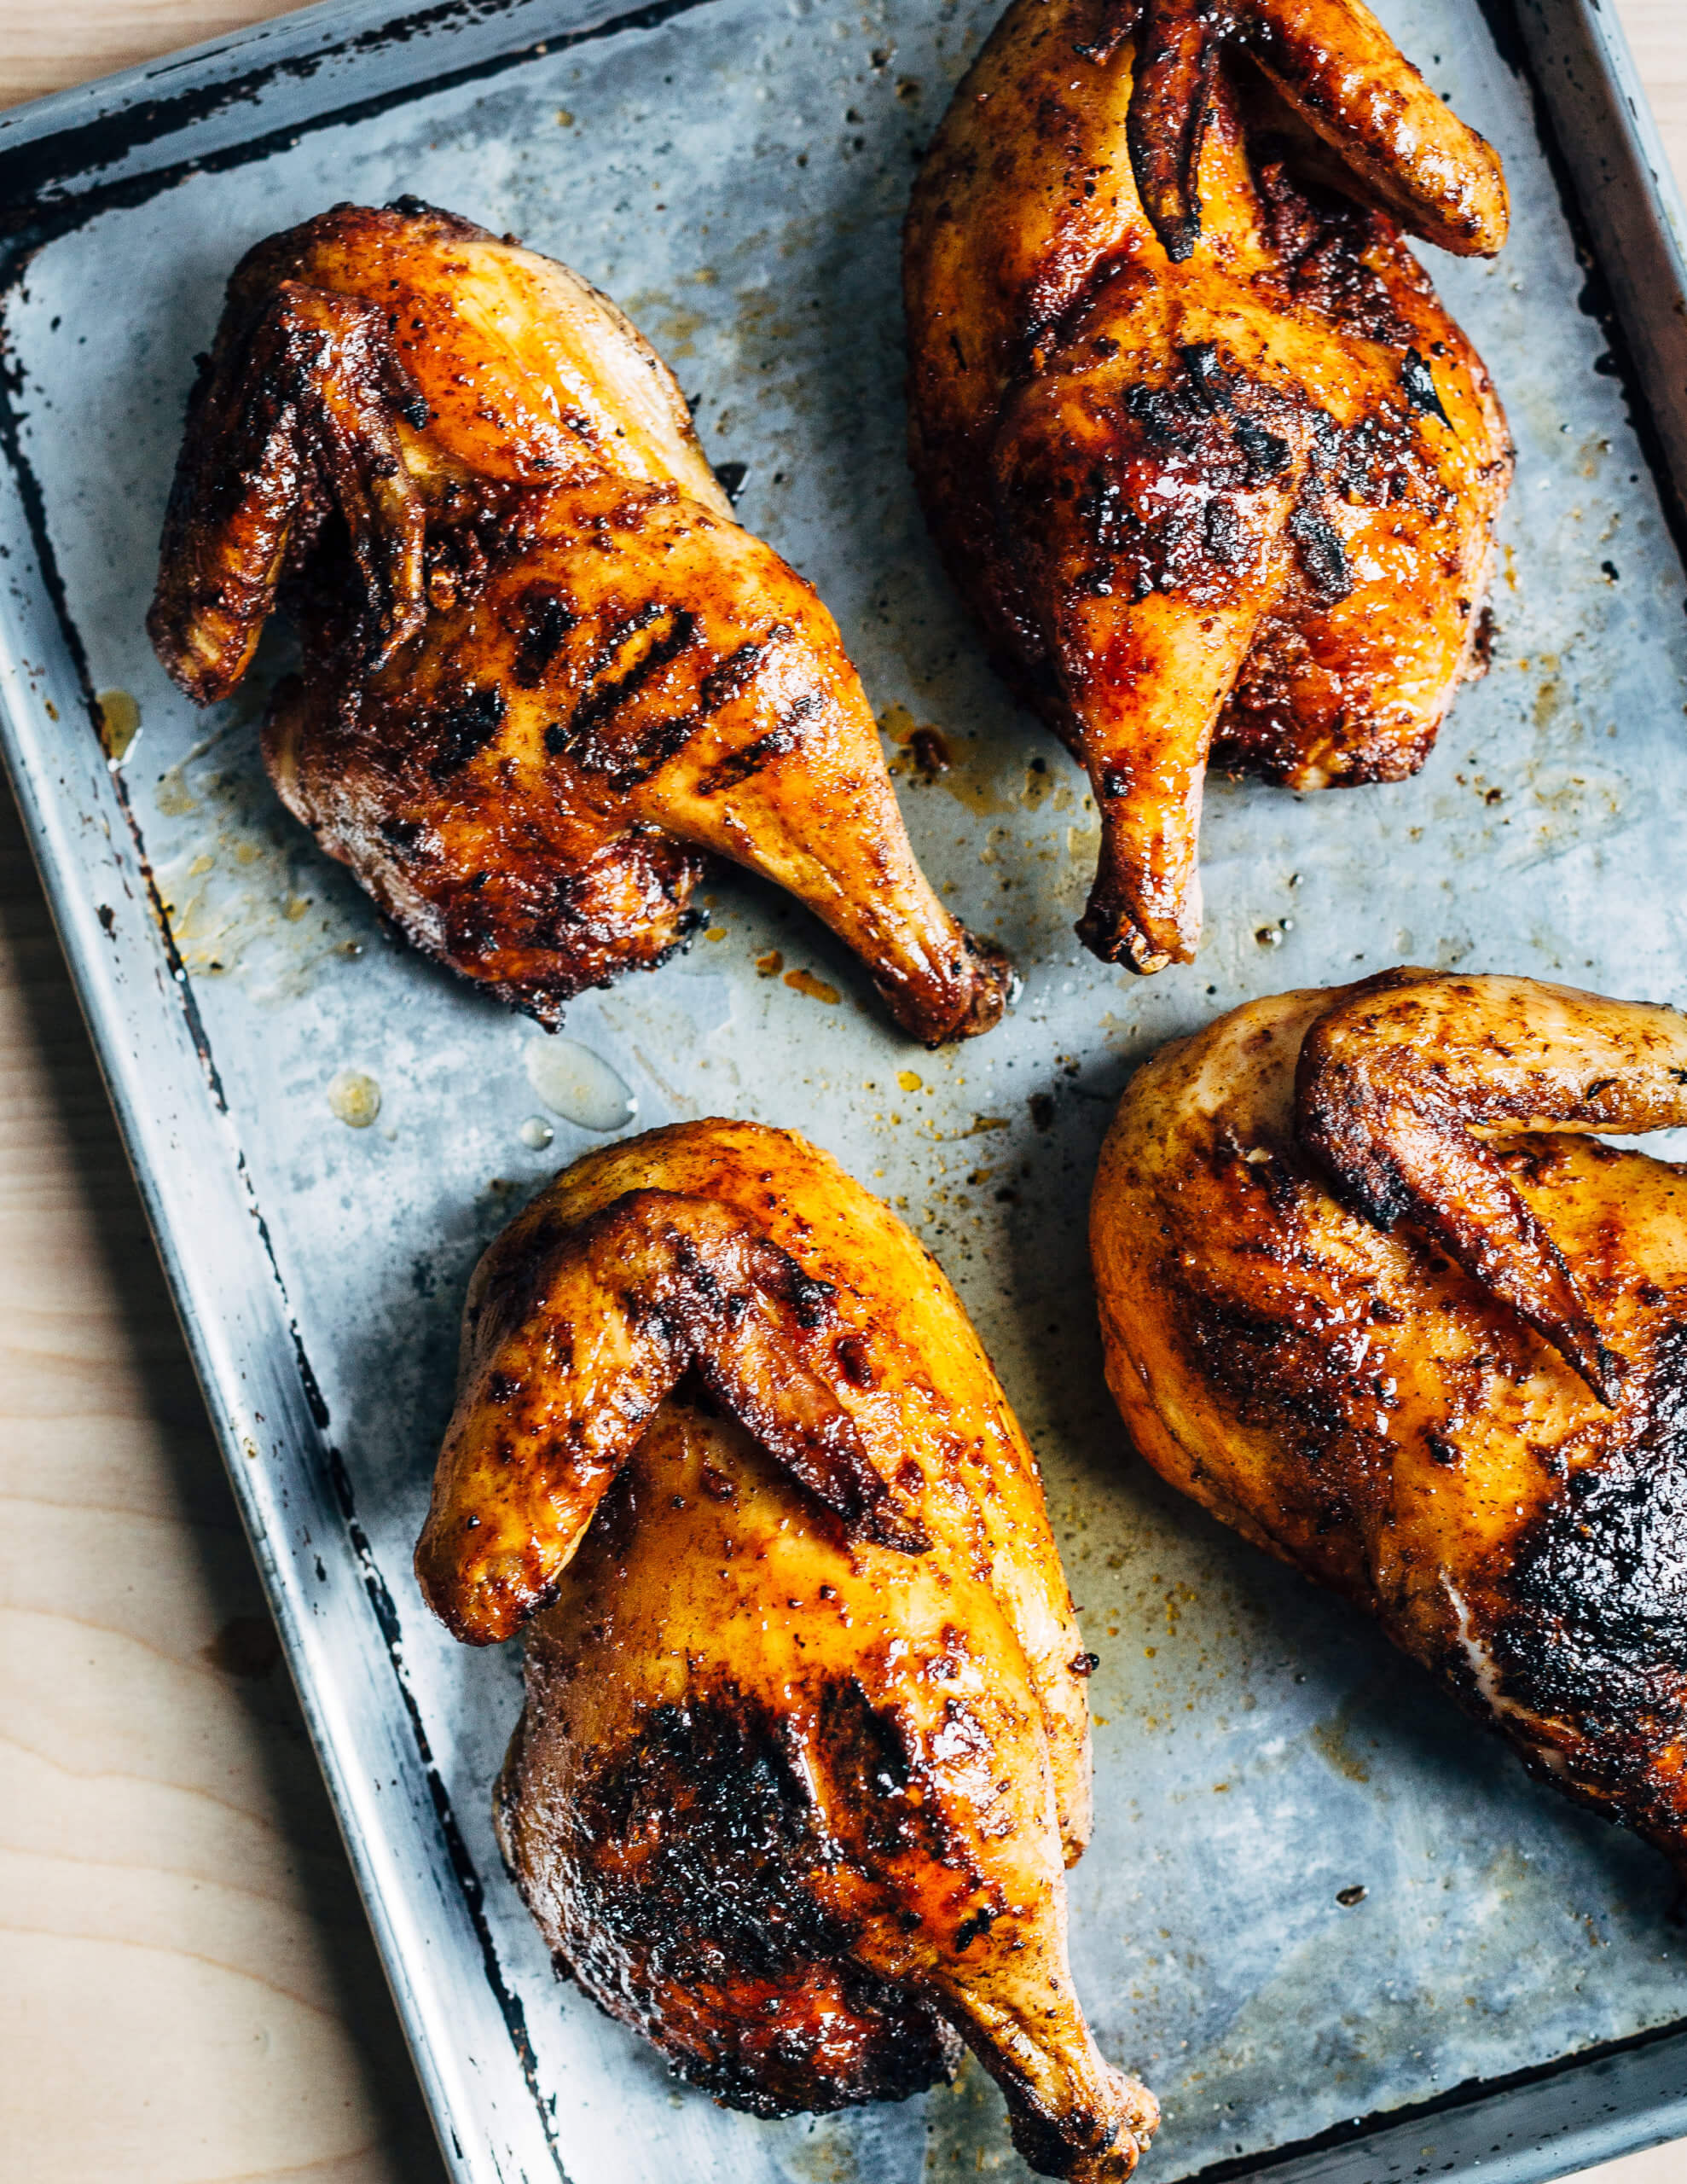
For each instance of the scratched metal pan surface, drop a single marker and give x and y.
(1340, 1932)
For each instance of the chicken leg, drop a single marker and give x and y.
(545, 672)
(1373, 1292)
(805, 1750)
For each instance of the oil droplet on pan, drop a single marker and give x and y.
(354, 1098)
(172, 796)
(577, 1085)
(536, 1133)
(120, 722)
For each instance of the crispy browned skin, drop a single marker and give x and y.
(1216, 476)
(545, 672)
(806, 1747)
(1487, 1450)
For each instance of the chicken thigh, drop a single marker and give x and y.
(1199, 444)
(806, 1748)
(545, 672)
(1374, 1292)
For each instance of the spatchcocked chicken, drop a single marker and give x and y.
(806, 1746)
(545, 672)
(1374, 1292)
(1198, 441)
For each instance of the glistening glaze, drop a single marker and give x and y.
(806, 1748)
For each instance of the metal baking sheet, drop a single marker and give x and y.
(1510, 1994)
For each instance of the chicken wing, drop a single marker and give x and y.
(1199, 444)
(1373, 1291)
(545, 672)
(806, 1746)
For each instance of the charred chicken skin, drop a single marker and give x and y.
(1374, 1292)
(806, 1747)
(1198, 441)
(545, 672)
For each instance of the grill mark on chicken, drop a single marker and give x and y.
(875, 1774)
(1324, 559)
(781, 739)
(1188, 538)
(1581, 1616)
(547, 617)
(462, 728)
(693, 1848)
(1324, 240)
(735, 674)
(1598, 1580)
(1419, 382)
(619, 673)
(705, 1811)
(1191, 542)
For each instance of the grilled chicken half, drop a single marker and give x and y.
(1374, 1292)
(545, 672)
(1198, 441)
(806, 1748)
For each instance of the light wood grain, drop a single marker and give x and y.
(189, 1993)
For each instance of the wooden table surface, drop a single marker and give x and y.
(189, 1994)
